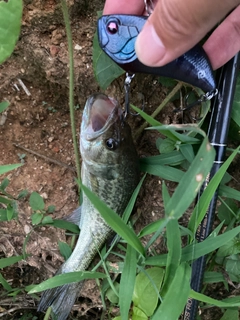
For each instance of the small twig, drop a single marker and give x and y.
(24, 87)
(59, 163)
(161, 106)
(7, 312)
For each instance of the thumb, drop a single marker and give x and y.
(175, 26)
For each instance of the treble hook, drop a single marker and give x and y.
(149, 7)
(204, 97)
(127, 95)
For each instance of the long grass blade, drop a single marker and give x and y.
(6, 262)
(8, 167)
(177, 294)
(194, 251)
(127, 282)
(174, 253)
(114, 221)
(218, 303)
(65, 278)
(191, 182)
(202, 205)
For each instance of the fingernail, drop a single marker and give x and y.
(149, 47)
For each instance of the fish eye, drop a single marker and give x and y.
(111, 144)
(112, 27)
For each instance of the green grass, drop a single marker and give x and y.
(151, 282)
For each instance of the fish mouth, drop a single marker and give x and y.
(100, 113)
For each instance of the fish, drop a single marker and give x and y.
(110, 169)
(117, 35)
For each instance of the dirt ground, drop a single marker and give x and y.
(38, 119)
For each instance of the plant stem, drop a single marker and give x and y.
(71, 84)
(48, 313)
(161, 106)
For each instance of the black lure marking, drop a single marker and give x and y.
(117, 35)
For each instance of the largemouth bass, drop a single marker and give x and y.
(110, 169)
(117, 35)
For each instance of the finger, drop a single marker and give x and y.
(224, 42)
(124, 7)
(176, 26)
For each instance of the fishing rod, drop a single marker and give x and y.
(217, 134)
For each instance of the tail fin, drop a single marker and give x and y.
(61, 299)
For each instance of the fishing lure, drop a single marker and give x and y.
(117, 35)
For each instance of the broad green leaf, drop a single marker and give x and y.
(218, 303)
(138, 314)
(6, 262)
(167, 145)
(230, 314)
(114, 221)
(164, 172)
(228, 249)
(202, 205)
(22, 194)
(213, 277)
(229, 192)
(5, 200)
(4, 184)
(191, 182)
(66, 278)
(10, 212)
(195, 251)
(176, 296)
(226, 211)
(187, 152)
(47, 220)
(10, 23)
(110, 294)
(174, 253)
(4, 105)
(127, 282)
(171, 159)
(167, 82)
(9, 167)
(105, 69)
(4, 215)
(36, 201)
(145, 296)
(232, 265)
(51, 209)
(64, 249)
(36, 217)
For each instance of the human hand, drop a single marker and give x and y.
(175, 26)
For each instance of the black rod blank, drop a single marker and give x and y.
(217, 133)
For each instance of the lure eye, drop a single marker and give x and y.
(111, 144)
(112, 27)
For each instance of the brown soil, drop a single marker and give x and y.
(39, 121)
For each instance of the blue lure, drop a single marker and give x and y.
(117, 35)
